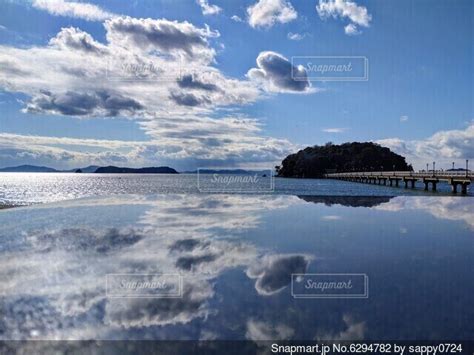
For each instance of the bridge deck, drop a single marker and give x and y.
(454, 178)
(440, 175)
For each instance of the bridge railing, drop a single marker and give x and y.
(419, 174)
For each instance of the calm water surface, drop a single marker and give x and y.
(236, 254)
(25, 188)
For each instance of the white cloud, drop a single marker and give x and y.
(75, 9)
(403, 118)
(335, 130)
(236, 18)
(446, 207)
(266, 13)
(166, 83)
(444, 147)
(75, 39)
(358, 15)
(208, 9)
(168, 37)
(275, 73)
(351, 30)
(296, 36)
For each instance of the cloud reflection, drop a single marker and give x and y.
(54, 279)
(444, 207)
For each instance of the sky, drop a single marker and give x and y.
(212, 83)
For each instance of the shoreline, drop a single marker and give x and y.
(5, 207)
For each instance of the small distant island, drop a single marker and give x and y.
(314, 162)
(148, 170)
(91, 169)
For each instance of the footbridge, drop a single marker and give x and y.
(461, 179)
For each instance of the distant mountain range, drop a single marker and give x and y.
(28, 169)
(124, 170)
(90, 169)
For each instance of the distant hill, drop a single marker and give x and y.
(314, 162)
(458, 169)
(148, 170)
(28, 169)
(88, 169)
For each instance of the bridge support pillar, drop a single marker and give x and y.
(394, 179)
(464, 187)
(454, 187)
(410, 181)
(433, 181)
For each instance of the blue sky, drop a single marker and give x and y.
(418, 99)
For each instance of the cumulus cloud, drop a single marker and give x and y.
(187, 99)
(77, 40)
(351, 30)
(158, 73)
(70, 152)
(266, 13)
(82, 104)
(75, 9)
(356, 14)
(276, 74)
(442, 147)
(236, 18)
(191, 82)
(209, 142)
(170, 37)
(208, 9)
